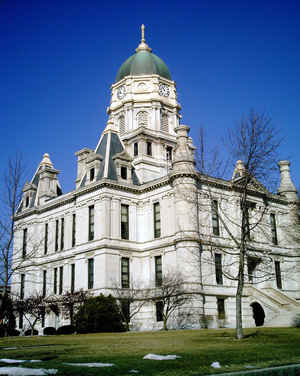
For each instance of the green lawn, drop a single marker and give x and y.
(198, 349)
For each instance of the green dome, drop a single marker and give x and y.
(143, 62)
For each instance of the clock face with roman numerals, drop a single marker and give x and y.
(163, 90)
(121, 92)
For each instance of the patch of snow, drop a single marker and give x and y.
(21, 371)
(215, 365)
(249, 366)
(10, 348)
(134, 371)
(19, 361)
(161, 357)
(90, 364)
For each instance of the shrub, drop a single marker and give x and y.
(49, 331)
(205, 321)
(66, 329)
(296, 321)
(99, 314)
(13, 332)
(28, 332)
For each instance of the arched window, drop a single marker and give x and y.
(142, 119)
(164, 122)
(122, 124)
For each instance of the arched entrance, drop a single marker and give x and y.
(258, 314)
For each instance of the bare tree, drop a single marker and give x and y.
(70, 302)
(170, 295)
(34, 307)
(131, 300)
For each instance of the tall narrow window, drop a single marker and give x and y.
(91, 222)
(61, 279)
(73, 230)
(215, 217)
(56, 235)
(252, 263)
(169, 151)
(273, 229)
(92, 174)
(46, 239)
(278, 275)
(142, 119)
(43, 319)
(135, 149)
(221, 308)
(156, 210)
(24, 250)
(90, 273)
(164, 122)
(20, 320)
(159, 310)
(22, 287)
(27, 202)
(62, 233)
(55, 281)
(125, 272)
(149, 148)
(158, 271)
(218, 268)
(72, 278)
(124, 172)
(122, 124)
(124, 222)
(44, 282)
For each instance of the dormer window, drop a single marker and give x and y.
(124, 172)
(149, 148)
(135, 149)
(27, 202)
(92, 174)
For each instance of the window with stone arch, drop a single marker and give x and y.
(142, 119)
(122, 124)
(164, 122)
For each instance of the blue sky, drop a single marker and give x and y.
(59, 58)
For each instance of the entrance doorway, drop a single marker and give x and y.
(258, 314)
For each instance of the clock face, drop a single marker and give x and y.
(121, 92)
(164, 90)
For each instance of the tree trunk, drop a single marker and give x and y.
(165, 323)
(238, 298)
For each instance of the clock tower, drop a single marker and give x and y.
(145, 112)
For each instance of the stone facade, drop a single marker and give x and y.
(138, 200)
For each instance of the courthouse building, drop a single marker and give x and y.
(140, 209)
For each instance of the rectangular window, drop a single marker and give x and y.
(149, 148)
(221, 308)
(56, 235)
(73, 230)
(43, 319)
(156, 210)
(169, 153)
(215, 217)
(125, 307)
(44, 283)
(61, 279)
(72, 278)
(55, 281)
(125, 272)
(278, 275)
(24, 250)
(135, 149)
(273, 229)
(159, 310)
(22, 287)
(92, 174)
(91, 222)
(218, 268)
(158, 271)
(124, 173)
(46, 239)
(90, 273)
(62, 233)
(124, 222)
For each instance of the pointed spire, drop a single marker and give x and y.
(143, 46)
(46, 161)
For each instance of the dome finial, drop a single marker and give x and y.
(143, 46)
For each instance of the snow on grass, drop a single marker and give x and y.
(19, 361)
(134, 371)
(161, 357)
(21, 371)
(90, 364)
(10, 348)
(215, 365)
